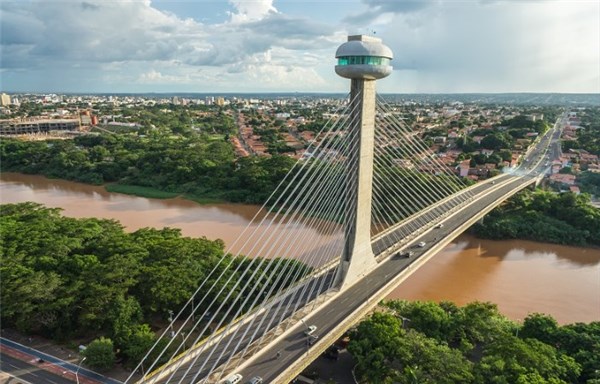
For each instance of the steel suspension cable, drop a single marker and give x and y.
(224, 257)
(312, 215)
(271, 221)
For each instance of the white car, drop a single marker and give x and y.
(421, 244)
(440, 225)
(233, 379)
(311, 329)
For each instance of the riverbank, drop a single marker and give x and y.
(153, 193)
(544, 216)
(520, 276)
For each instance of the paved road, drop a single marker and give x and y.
(293, 347)
(29, 372)
(248, 333)
(24, 364)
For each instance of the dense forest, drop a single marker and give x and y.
(191, 165)
(545, 216)
(425, 342)
(68, 278)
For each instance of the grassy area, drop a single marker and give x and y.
(152, 193)
(200, 199)
(216, 137)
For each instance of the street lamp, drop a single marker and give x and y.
(77, 371)
(171, 322)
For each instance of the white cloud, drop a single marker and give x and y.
(154, 77)
(250, 10)
(97, 34)
(439, 46)
(541, 46)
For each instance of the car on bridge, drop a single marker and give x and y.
(421, 244)
(255, 380)
(440, 225)
(311, 329)
(233, 379)
(401, 255)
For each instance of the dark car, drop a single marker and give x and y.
(405, 254)
(332, 352)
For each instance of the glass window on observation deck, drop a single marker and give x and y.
(363, 60)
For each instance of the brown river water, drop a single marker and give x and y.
(520, 276)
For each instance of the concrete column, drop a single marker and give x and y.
(357, 258)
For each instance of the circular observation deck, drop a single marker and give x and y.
(363, 57)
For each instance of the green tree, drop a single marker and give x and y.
(126, 317)
(510, 360)
(541, 327)
(496, 141)
(100, 354)
(139, 342)
(385, 353)
(566, 170)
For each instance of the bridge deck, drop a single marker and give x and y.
(329, 316)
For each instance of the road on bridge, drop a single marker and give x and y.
(333, 313)
(292, 345)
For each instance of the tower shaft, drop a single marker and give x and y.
(358, 259)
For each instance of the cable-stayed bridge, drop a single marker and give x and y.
(382, 204)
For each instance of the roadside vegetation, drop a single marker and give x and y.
(425, 342)
(84, 279)
(544, 216)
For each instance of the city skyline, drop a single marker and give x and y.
(289, 45)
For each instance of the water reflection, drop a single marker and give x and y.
(559, 280)
(521, 249)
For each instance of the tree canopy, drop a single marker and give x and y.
(444, 343)
(63, 277)
(564, 218)
(192, 164)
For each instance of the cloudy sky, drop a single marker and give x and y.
(289, 45)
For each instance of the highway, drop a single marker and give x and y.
(251, 331)
(489, 194)
(22, 362)
(292, 344)
(29, 372)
